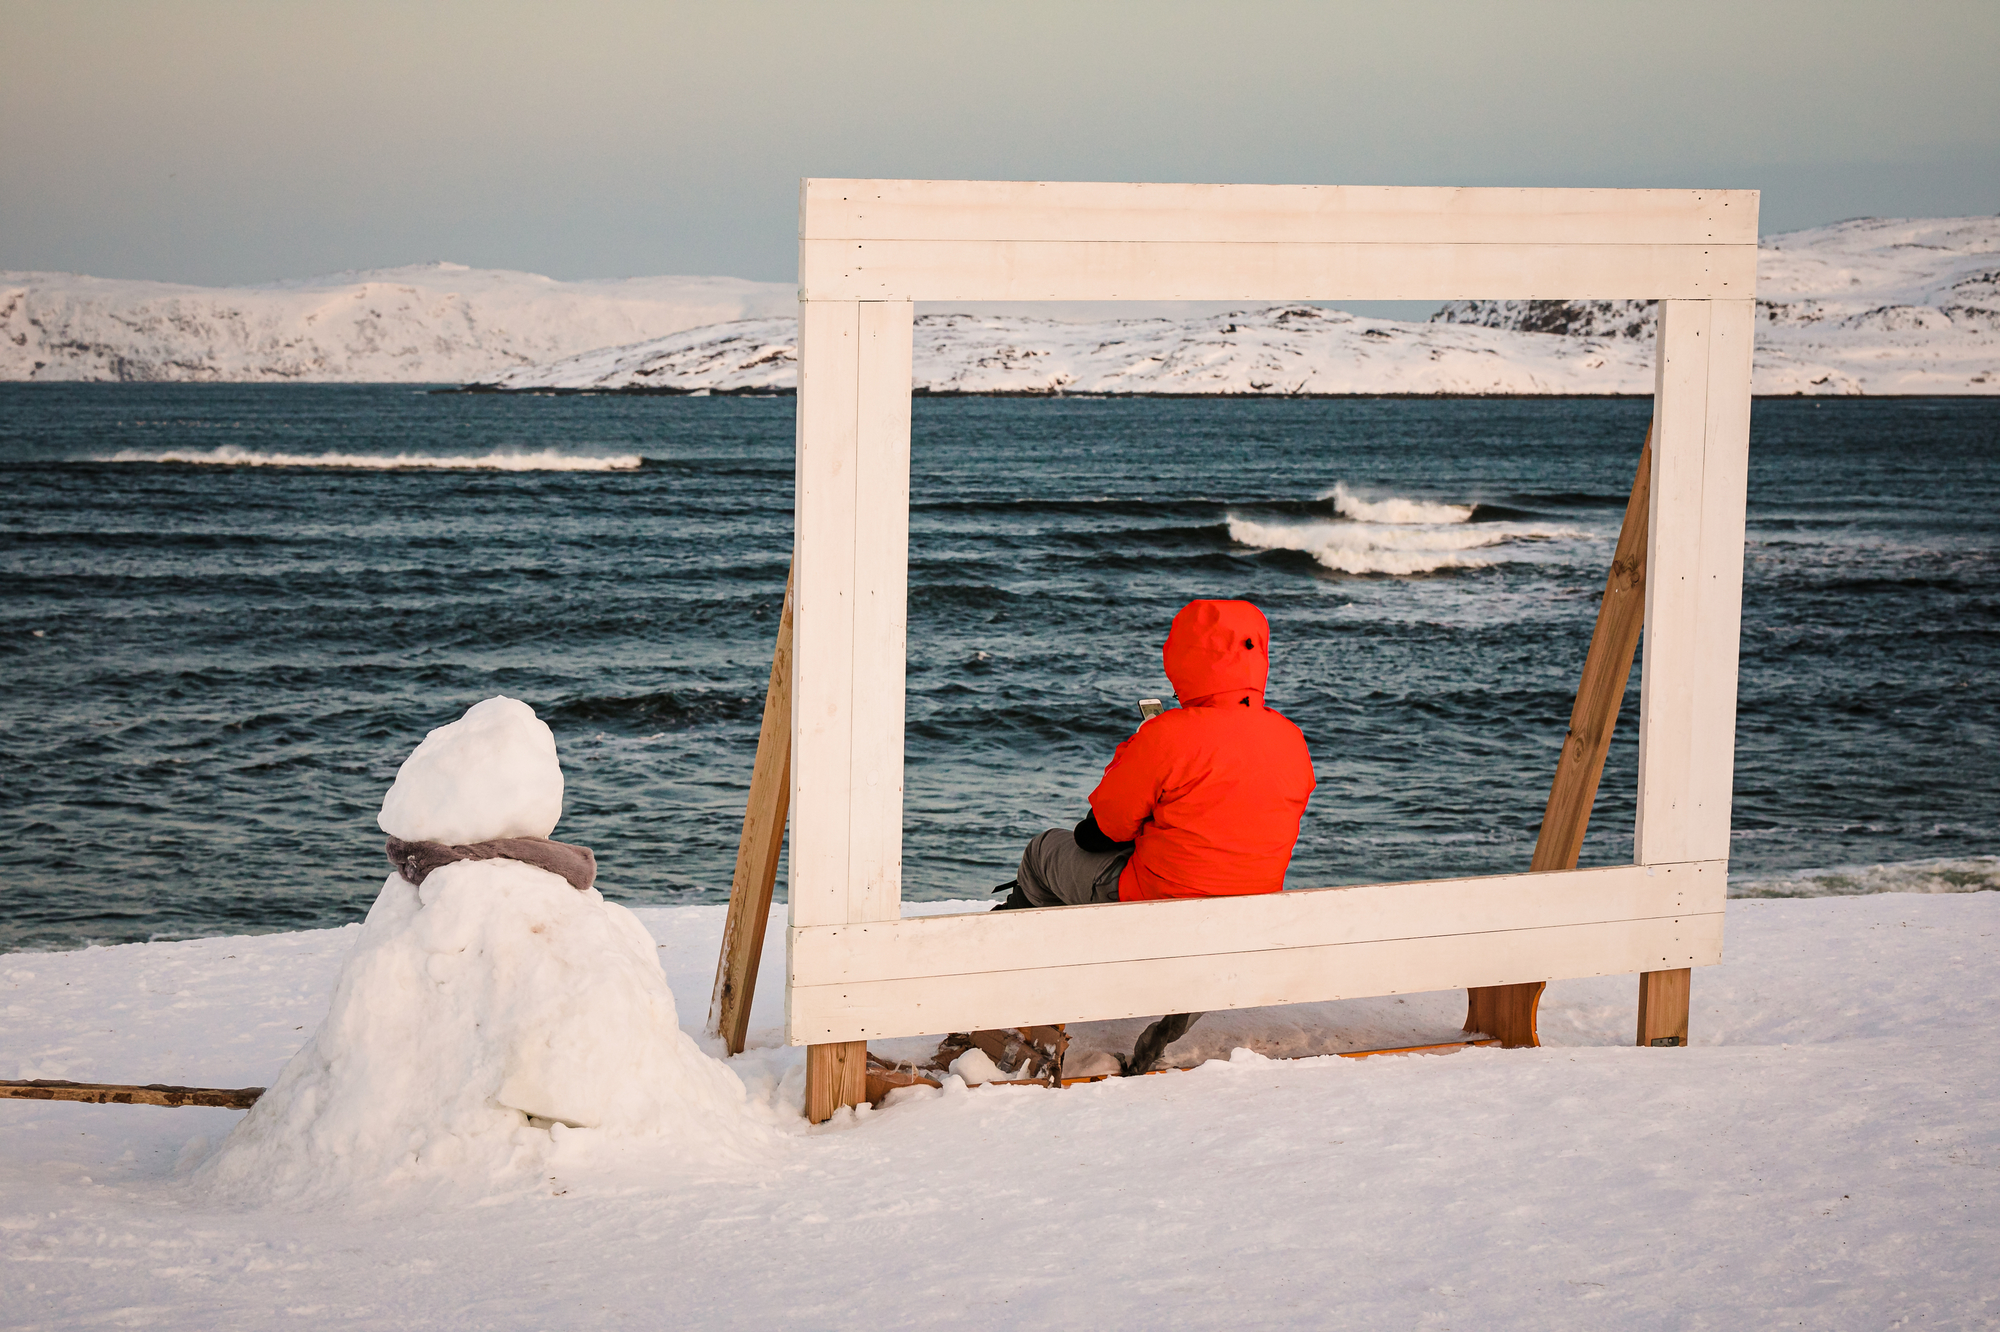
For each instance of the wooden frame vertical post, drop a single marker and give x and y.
(1694, 608)
(757, 850)
(852, 562)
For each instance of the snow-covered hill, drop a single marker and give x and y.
(426, 323)
(1876, 305)
(1279, 350)
(1883, 307)
(1871, 306)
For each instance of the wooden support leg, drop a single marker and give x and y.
(1663, 1006)
(1509, 1011)
(757, 851)
(836, 1075)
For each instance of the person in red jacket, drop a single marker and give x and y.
(1204, 800)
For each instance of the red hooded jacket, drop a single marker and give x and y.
(1213, 790)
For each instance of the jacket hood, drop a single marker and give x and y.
(1216, 647)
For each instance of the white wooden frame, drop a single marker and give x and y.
(867, 249)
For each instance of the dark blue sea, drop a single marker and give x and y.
(230, 611)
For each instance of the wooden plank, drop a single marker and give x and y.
(872, 1009)
(118, 1093)
(852, 555)
(757, 850)
(1220, 926)
(1673, 603)
(1663, 1007)
(1003, 270)
(1511, 1012)
(1607, 668)
(823, 683)
(1106, 211)
(881, 599)
(1125, 959)
(1719, 579)
(836, 1075)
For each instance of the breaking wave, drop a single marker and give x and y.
(228, 455)
(1358, 548)
(1394, 536)
(1395, 509)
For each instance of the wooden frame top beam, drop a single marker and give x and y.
(998, 210)
(874, 240)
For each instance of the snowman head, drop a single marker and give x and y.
(492, 773)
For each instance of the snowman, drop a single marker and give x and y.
(492, 1002)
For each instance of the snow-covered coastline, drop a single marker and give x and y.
(1824, 1154)
(1865, 307)
(1872, 306)
(1284, 351)
(436, 323)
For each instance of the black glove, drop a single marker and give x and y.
(1090, 837)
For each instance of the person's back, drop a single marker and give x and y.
(1204, 800)
(1211, 795)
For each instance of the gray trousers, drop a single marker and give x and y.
(1055, 871)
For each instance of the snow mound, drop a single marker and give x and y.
(484, 1022)
(492, 773)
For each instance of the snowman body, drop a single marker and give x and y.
(487, 1010)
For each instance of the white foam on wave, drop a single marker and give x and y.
(1394, 509)
(228, 455)
(1948, 874)
(1397, 550)
(1361, 548)
(1394, 535)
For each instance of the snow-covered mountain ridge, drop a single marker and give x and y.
(1872, 306)
(1875, 305)
(425, 323)
(1279, 350)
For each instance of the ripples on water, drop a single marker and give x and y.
(228, 618)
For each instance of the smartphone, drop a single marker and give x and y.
(1150, 708)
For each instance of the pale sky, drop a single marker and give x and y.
(222, 142)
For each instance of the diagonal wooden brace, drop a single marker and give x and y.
(757, 852)
(1509, 1011)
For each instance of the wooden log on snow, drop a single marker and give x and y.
(757, 851)
(112, 1093)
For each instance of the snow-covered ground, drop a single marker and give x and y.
(427, 323)
(1826, 1154)
(1873, 306)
